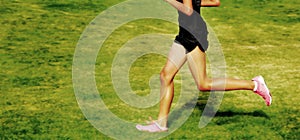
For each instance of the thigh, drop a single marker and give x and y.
(176, 59)
(197, 64)
(177, 55)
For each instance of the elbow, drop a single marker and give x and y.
(189, 12)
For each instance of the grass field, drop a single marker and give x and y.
(37, 44)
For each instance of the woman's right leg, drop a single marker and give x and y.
(176, 58)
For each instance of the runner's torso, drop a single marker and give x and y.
(192, 29)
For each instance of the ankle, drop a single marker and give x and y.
(162, 122)
(255, 86)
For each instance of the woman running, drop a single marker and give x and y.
(190, 45)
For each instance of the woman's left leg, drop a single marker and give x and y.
(197, 64)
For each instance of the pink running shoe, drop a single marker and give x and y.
(262, 89)
(153, 127)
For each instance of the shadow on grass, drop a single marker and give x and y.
(195, 103)
(201, 104)
(230, 113)
(202, 100)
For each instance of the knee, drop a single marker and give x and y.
(204, 86)
(165, 77)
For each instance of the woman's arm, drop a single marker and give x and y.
(186, 7)
(210, 3)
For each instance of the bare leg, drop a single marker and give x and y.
(197, 64)
(176, 59)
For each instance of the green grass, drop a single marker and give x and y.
(38, 40)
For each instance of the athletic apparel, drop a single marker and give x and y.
(192, 29)
(262, 89)
(152, 127)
